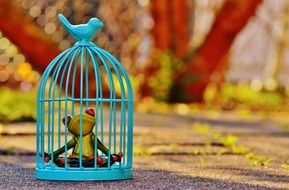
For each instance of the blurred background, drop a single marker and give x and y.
(183, 56)
(210, 85)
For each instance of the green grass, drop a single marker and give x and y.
(285, 166)
(16, 105)
(230, 142)
(258, 160)
(243, 93)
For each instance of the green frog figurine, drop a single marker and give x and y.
(88, 142)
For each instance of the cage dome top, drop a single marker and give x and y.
(85, 61)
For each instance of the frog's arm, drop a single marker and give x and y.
(100, 146)
(70, 144)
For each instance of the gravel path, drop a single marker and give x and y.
(18, 173)
(172, 164)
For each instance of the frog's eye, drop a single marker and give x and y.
(90, 111)
(66, 119)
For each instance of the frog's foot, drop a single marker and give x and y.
(113, 158)
(47, 156)
(117, 157)
(60, 162)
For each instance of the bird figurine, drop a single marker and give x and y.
(81, 31)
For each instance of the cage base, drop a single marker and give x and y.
(83, 175)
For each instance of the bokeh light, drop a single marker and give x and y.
(14, 71)
(4, 75)
(34, 11)
(4, 43)
(256, 85)
(128, 34)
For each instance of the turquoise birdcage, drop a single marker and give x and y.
(84, 113)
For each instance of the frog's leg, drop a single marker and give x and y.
(101, 147)
(113, 157)
(61, 150)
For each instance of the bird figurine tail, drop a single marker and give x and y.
(63, 21)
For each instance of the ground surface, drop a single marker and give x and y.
(166, 156)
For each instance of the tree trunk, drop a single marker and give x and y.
(180, 27)
(170, 30)
(38, 49)
(170, 33)
(29, 38)
(190, 85)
